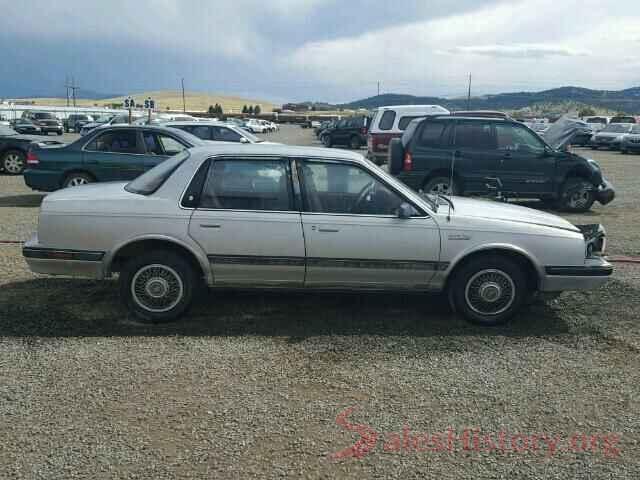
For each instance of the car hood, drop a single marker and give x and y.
(609, 134)
(493, 210)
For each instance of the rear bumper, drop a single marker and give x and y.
(593, 274)
(43, 180)
(53, 261)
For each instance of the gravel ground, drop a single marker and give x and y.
(250, 384)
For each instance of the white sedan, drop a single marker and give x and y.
(275, 216)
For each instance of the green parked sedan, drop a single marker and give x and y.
(106, 154)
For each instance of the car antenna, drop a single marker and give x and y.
(453, 163)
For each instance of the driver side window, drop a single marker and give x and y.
(345, 189)
(517, 139)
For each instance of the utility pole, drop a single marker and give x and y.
(184, 104)
(469, 94)
(73, 87)
(378, 88)
(66, 84)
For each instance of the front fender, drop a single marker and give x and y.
(462, 255)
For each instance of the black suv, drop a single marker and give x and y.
(76, 121)
(489, 153)
(47, 121)
(350, 132)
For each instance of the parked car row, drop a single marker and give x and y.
(617, 136)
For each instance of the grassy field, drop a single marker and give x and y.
(169, 100)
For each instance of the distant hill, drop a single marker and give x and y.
(80, 94)
(166, 100)
(623, 100)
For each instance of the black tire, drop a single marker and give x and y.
(488, 290)
(60, 132)
(13, 162)
(76, 179)
(577, 195)
(354, 142)
(150, 275)
(441, 185)
(326, 141)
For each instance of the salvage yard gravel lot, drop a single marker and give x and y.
(249, 385)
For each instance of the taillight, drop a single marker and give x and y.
(407, 164)
(32, 159)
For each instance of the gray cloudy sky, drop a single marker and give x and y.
(334, 50)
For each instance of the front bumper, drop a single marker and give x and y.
(54, 261)
(631, 146)
(604, 143)
(605, 192)
(593, 274)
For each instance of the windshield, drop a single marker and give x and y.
(616, 128)
(44, 115)
(623, 120)
(597, 120)
(251, 137)
(149, 182)
(4, 130)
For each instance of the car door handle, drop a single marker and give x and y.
(208, 225)
(326, 230)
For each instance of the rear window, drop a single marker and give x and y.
(432, 134)
(149, 182)
(474, 135)
(404, 121)
(44, 115)
(387, 119)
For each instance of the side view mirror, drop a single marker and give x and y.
(405, 210)
(244, 140)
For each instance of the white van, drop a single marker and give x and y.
(390, 122)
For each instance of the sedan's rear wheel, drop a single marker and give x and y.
(158, 286)
(13, 162)
(488, 290)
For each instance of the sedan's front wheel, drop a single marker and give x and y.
(488, 290)
(77, 179)
(158, 286)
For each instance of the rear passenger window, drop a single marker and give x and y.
(432, 134)
(117, 141)
(474, 135)
(387, 119)
(200, 131)
(404, 121)
(247, 185)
